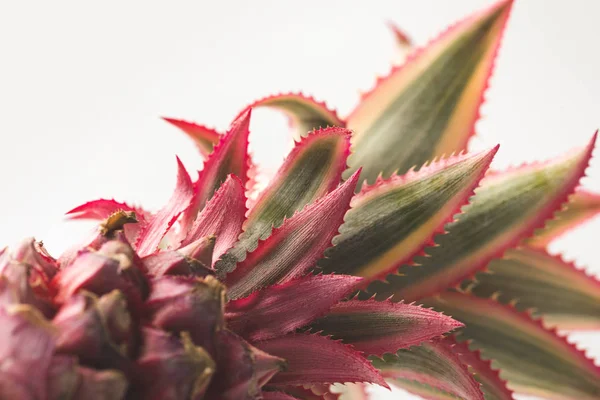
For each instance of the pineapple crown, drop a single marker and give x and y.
(381, 252)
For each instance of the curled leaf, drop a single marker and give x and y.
(205, 138)
(306, 114)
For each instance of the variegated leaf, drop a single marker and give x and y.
(305, 113)
(394, 219)
(403, 42)
(582, 207)
(428, 106)
(432, 370)
(378, 327)
(294, 248)
(492, 386)
(230, 157)
(312, 169)
(564, 295)
(506, 209)
(533, 360)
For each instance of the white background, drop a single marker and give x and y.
(82, 85)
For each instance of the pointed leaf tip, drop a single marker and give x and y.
(150, 235)
(375, 327)
(429, 105)
(311, 170)
(205, 138)
(293, 249)
(394, 219)
(230, 156)
(512, 203)
(222, 217)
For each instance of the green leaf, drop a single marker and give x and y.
(394, 219)
(306, 114)
(506, 209)
(431, 369)
(564, 295)
(582, 207)
(311, 170)
(534, 360)
(428, 106)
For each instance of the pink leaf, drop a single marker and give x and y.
(222, 217)
(293, 249)
(230, 157)
(151, 235)
(204, 137)
(103, 208)
(315, 359)
(280, 309)
(311, 170)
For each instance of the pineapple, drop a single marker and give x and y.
(381, 252)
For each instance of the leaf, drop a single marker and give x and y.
(204, 138)
(394, 219)
(230, 156)
(403, 43)
(492, 386)
(315, 359)
(222, 217)
(305, 113)
(151, 234)
(102, 209)
(281, 309)
(293, 249)
(429, 369)
(378, 327)
(311, 170)
(428, 106)
(534, 360)
(565, 296)
(402, 38)
(582, 207)
(507, 208)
